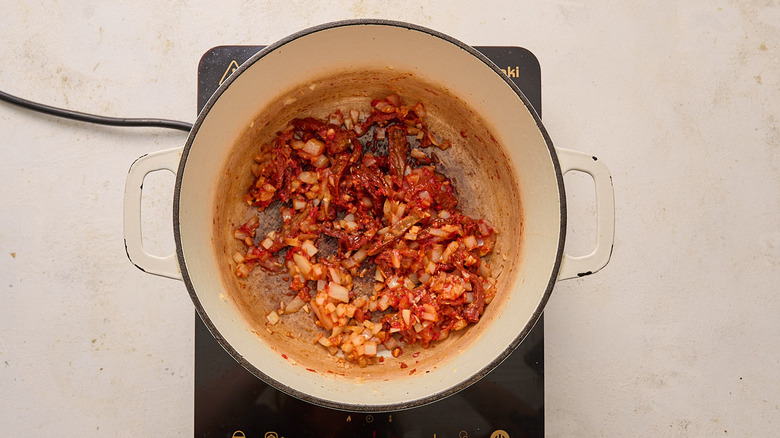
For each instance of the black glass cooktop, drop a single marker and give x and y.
(232, 402)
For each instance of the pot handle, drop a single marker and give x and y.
(167, 266)
(580, 266)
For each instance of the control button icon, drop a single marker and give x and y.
(271, 434)
(238, 434)
(369, 418)
(499, 434)
(463, 434)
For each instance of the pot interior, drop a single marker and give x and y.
(501, 164)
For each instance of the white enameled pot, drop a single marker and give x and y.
(502, 160)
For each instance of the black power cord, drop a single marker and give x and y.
(92, 118)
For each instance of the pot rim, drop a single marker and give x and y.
(318, 400)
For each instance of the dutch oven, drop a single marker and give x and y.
(503, 164)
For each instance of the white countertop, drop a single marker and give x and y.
(677, 336)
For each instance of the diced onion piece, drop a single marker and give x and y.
(297, 144)
(419, 109)
(393, 283)
(238, 257)
(384, 106)
(336, 118)
(384, 302)
(348, 263)
(294, 305)
(418, 154)
(484, 269)
(430, 316)
(338, 292)
(313, 147)
(406, 314)
(390, 342)
(370, 348)
(298, 204)
(470, 242)
(360, 255)
(272, 317)
(309, 247)
(451, 248)
(321, 161)
(335, 275)
(242, 270)
(436, 252)
(308, 177)
(303, 264)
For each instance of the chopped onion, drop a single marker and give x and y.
(303, 264)
(370, 348)
(308, 177)
(313, 147)
(335, 275)
(451, 248)
(297, 144)
(321, 161)
(436, 252)
(242, 270)
(418, 154)
(338, 292)
(484, 270)
(309, 248)
(360, 255)
(294, 305)
(419, 109)
(384, 107)
(470, 242)
(406, 314)
(393, 283)
(336, 118)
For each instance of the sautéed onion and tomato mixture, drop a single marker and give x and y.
(362, 201)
